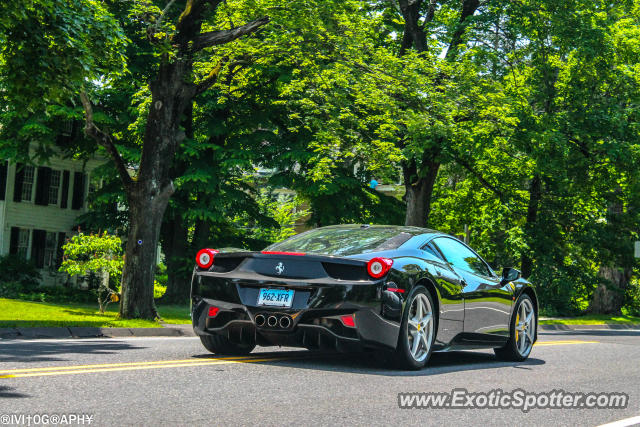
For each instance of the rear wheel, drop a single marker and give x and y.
(416, 331)
(522, 331)
(221, 345)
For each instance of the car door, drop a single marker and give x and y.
(487, 303)
(450, 285)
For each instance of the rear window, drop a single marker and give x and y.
(343, 241)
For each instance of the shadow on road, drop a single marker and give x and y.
(376, 364)
(29, 351)
(6, 392)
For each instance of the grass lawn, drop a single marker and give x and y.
(16, 313)
(592, 319)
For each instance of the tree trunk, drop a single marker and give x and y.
(202, 235)
(149, 195)
(419, 190)
(535, 193)
(145, 219)
(176, 247)
(174, 232)
(609, 296)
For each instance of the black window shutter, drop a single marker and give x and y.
(42, 186)
(17, 184)
(65, 189)
(59, 251)
(37, 247)
(13, 245)
(4, 166)
(78, 190)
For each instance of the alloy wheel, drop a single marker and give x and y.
(420, 327)
(525, 327)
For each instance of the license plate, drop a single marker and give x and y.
(275, 297)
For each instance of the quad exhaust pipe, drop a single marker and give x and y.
(285, 322)
(281, 321)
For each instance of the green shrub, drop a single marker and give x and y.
(11, 289)
(632, 306)
(161, 274)
(17, 269)
(54, 294)
(97, 257)
(158, 289)
(563, 291)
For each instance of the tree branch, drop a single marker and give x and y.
(486, 184)
(208, 81)
(214, 38)
(163, 13)
(190, 22)
(467, 10)
(105, 140)
(431, 12)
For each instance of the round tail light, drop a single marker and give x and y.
(204, 258)
(378, 267)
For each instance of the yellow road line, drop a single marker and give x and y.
(184, 363)
(108, 365)
(72, 371)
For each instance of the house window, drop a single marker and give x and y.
(27, 183)
(54, 187)
(50, 249)
(23, 242)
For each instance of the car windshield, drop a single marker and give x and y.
(343, 241)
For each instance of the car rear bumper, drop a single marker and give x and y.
(310, 327)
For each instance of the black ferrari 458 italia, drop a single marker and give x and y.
(353, 287)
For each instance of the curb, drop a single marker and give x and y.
(92, 332)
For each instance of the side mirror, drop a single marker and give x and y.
(510, 274)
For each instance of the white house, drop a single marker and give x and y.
(39, 206)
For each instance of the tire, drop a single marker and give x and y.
(221, 345)
(406, 356)
(515, 350)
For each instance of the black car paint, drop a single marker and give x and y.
(473, 311)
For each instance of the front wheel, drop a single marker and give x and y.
(221, 345)
(416, 331)
(522, 331)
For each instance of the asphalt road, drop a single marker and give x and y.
(174, 381)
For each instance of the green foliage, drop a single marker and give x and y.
(96, 256)
(158, 290)
(632, 306)
(16, 269)
(161, 274)
(67, 44)
(92, 253)
(564, 111)
(285, 210)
